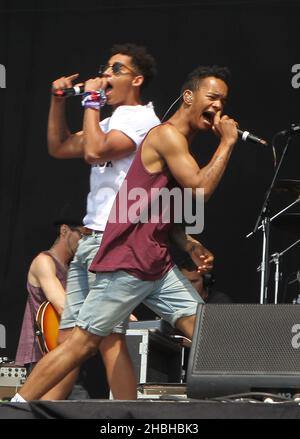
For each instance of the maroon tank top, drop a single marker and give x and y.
(28, 350)
(140, 248)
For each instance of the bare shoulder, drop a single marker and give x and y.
(42, 264)
(166, 131)
(167, 136)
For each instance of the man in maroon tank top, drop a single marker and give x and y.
(46, 281)
(133, 264)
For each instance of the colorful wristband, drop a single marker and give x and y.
(94, 99)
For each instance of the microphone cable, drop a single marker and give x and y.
(171, 106)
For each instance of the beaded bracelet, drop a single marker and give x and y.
(94, 99)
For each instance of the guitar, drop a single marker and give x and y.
(47, 319)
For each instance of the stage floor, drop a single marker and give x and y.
(148, 409)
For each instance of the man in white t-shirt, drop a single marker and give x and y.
(109, 146)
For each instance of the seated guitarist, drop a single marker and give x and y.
(46, 281)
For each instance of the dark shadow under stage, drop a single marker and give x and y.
(148, 409)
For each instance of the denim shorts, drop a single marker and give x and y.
(81, 281)
(114, 296)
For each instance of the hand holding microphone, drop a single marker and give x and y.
(225, 127)
(63, 87)
(244, 135)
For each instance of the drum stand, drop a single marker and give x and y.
(276, 259)
(264, 219)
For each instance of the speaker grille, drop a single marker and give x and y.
(247, 339)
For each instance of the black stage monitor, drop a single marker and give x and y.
(241, 348)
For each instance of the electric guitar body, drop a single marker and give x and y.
(48, 321)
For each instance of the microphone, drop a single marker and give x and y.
(66, 92)
(245, 135)
(292, 131)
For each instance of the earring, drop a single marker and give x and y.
(189, 99)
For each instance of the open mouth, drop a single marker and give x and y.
(108, 89)
(208, 117)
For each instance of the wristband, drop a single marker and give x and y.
(94, 99)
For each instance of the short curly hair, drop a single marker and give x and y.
(194, 78)
(141, 60)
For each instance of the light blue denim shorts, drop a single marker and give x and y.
(114, 296)
(81, 281)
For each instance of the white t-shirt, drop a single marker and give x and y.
(105, 179)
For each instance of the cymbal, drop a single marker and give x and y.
(292, 186)
(288, 222)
